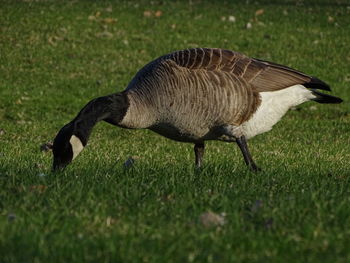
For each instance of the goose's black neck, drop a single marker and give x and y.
(111, 108)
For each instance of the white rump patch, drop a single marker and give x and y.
(274, 104)
(77, 145)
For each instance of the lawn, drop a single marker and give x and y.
(55, 56)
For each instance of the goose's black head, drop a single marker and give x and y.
(73, 137)
(66, 147)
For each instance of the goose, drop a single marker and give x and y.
(196, 95)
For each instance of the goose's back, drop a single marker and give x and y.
(262, 75)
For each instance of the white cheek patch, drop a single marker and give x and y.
(77, 146)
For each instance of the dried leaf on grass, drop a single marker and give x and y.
(97, 17)
(211, 219)
(330, 19)
(38, 188)
(150, 13)
(110, 221)
(109, 20)
(232, 19)
(91, 18)
(147, 13)
(259, 12)
(158, 13)
(52, 40)
(104, 34)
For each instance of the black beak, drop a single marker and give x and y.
(58, 167)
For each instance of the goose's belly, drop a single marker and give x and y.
(194, 135)
(179, 132)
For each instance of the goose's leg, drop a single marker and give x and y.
(199, 152)
(242, 143)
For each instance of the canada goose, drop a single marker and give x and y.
(195, 95)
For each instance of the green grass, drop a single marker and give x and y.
(54, 59)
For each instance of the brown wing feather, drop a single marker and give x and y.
(262, 75)
(275, 77)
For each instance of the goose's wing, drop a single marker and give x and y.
(262, 75)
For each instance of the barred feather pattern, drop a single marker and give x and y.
(188, 95)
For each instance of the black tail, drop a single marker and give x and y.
(325, 98)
